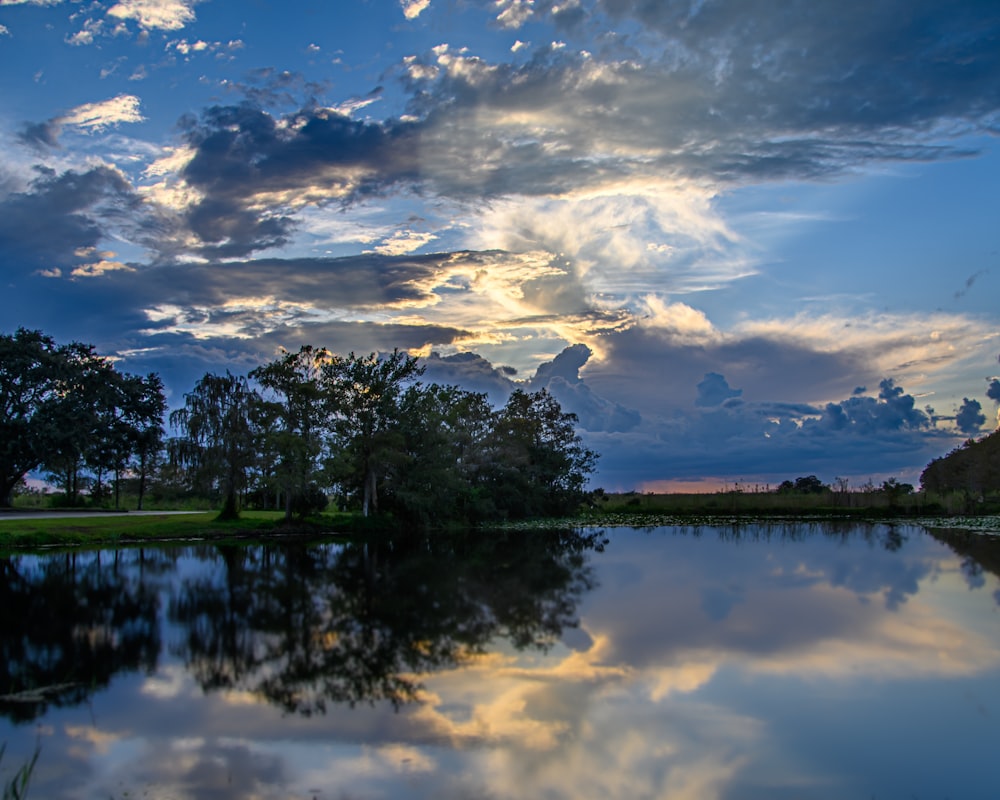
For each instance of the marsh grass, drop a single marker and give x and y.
(17, 787)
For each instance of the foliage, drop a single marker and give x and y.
(217, 440)
(807, 485)
(290, 426)
(295, 432)
(972, 468)
(364, 397)
(17, 787)
(64, 408)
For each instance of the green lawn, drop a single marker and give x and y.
(129, 528)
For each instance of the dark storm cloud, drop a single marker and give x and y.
(561, 378)
(993, 390)
(714, 390)
(470, 371)
(731, 92)
(837, 63)
(970, 417)
(768, 441)
(249, 164)
(655, 371)
(348, 282)
(60, 215)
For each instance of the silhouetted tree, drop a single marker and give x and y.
(364, 396)
(217, 439)
(299, 410)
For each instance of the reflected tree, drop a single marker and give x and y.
(304, 627)
(69, 624)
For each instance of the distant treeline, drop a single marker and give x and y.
(973, 468)
(296, 432)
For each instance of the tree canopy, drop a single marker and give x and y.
(973, 467)
(301, 429)
(65, 408)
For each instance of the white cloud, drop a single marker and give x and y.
(95, 117)
(404, 242)
(169, 15)
(414, 8)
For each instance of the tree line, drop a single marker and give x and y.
(972, 468)
(294, 432)
(68, 411)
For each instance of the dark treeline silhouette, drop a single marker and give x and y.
(295, 432)
(366, 431)
(973, 469)
(68, 411)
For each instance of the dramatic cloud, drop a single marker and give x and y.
(970, 418)
(63, 218)
(673, 216)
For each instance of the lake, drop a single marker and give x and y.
(783, 660)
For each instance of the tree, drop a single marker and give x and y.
(217, 436)
(364, 396)
(444, 432)
(538, 464)
(298, 409)
(144, 412)
(28, 385)
(78, 417)
(809, 484)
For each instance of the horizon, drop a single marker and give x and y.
(740, 244)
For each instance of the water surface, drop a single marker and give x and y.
(765, 661)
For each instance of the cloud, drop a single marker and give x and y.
(87, 118)
(62, 216)
(168, 15)
(993, 390)
(715, 390)
(970, 418)
(96, 117)
(414, 8)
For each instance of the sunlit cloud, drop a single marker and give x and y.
(414, 8)
(96, 117)
(169, 15)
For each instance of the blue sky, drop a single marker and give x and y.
(743, 241)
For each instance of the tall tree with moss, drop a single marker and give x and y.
(217, 436)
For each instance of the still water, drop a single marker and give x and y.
(765, 661)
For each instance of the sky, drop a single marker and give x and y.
(743, 240)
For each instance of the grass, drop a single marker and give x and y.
(131, 529)
(17, 787)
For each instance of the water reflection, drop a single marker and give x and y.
(307, 626)
(790, 660)
(70, 623)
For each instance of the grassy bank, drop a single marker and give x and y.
(122, 529)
